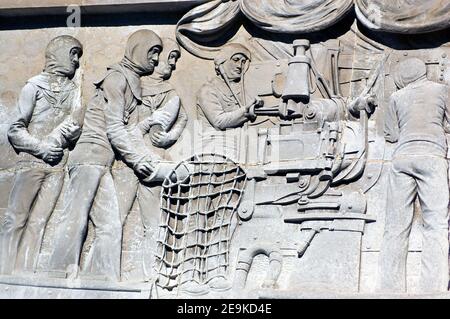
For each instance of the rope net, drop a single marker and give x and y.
(198, 218)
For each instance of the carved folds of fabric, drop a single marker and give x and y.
(210, 21)
(404, 16)
(295, 16)
(204, 23)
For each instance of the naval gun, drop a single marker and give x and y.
(314, 143)
(309, 150)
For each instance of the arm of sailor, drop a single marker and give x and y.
(391, 128)
(114, 88)
(447, 111)
(212, 108)
(18, 135)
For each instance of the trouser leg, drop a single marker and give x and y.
(103, 258)
(434, 198)
(30, 244)
(398, 221)
(81, 190)
(26, 185)
(149, 205)
(126, 185)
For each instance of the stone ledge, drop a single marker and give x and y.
(44, 281)
(9, 8)
(33, 292)
(298, 294)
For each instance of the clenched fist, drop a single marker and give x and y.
(144, 169)
(50, 153)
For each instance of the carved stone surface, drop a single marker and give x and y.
(10, 8)
(244, 148)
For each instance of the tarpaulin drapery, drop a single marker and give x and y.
(404, 16)
(210, 21)
(206, 22)
(295, 16)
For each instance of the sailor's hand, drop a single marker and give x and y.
(144, 169)
(158, 118)
(162, 118)
(366, 103)
(145, 125)
(71, 131)
(255, 103)
(372, 103)
(50, 153)
(162, 139)
(250, 108)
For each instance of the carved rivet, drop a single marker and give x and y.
(444, 55)
(369, 176)
(6, 288)
(303, 182)
(310, 113)
(405, 53)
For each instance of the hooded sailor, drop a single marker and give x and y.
(417, 120)
(222, 103)
(46, 126)
(159, 100)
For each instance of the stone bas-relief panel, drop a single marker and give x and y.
(264, 160)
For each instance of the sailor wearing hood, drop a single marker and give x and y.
(222, 109)
(157, 92)
(222, 104)
(107, 135)
(159, 98)
(417, 119)
(45, 127)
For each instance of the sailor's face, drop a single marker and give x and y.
(234, 67)
(172, 59)
(168, 66)
(74, 57)
(153, 57)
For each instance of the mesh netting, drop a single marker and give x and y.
(198, 217)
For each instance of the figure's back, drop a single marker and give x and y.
(421, 109)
